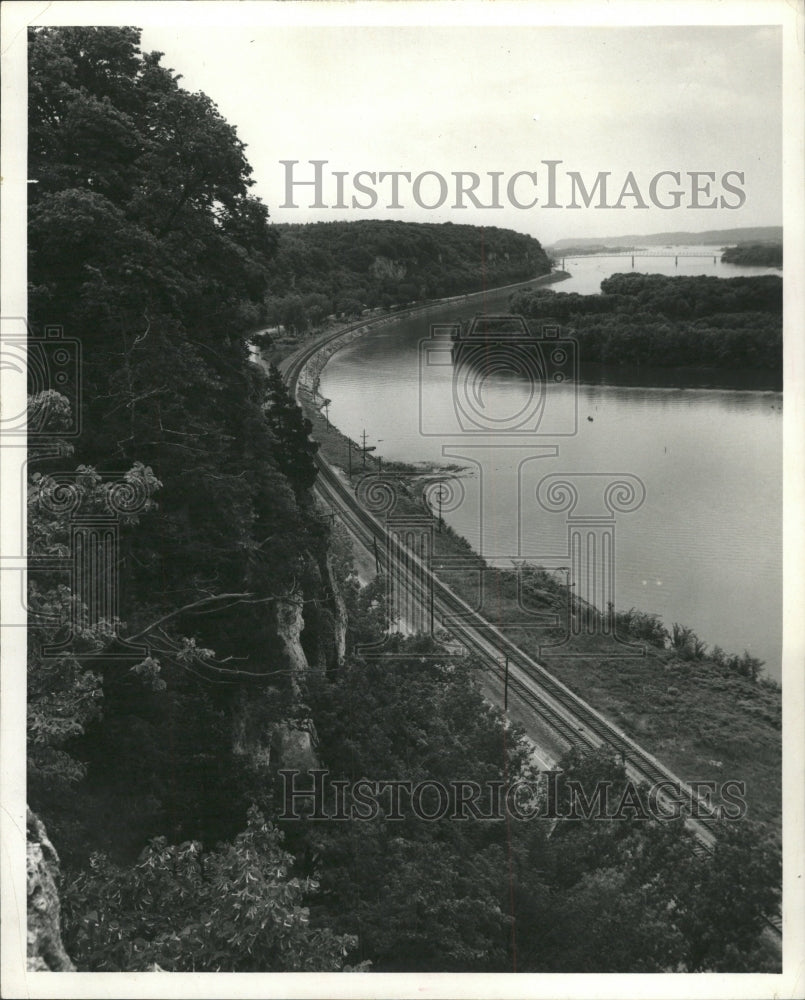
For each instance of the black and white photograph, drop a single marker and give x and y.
(402, 499)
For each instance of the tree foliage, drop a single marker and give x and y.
(344, 268)
(755, 254)
(146, 244)
(652, 319)
(293, 449)
(578, 894)
(427, 896)
(238, 908)
(64, 688)
(630, 894)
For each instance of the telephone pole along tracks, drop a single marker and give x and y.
(567, 715)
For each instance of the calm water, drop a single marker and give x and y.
(704, 549)
(588, 272)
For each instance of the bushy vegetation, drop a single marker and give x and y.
(181, 909)
(757, 254)
(651, 319)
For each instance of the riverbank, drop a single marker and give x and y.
(285, 344)
(703, 719)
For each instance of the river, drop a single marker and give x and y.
(704, 549)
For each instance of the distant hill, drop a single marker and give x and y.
(348, 266)
(749, 234)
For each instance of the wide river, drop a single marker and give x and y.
(704, 549)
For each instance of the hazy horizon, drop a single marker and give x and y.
(499, 99)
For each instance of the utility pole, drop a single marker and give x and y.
(441, 494)
(506, 686)
(363, 448)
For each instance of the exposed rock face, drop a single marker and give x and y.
(383, 267)
(339, 616)
(290, 622)
(268, 744)
(294, 745)
(45, 949)
(252, 729)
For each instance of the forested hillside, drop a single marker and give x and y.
(345, 267)
(746, 234)
(147, 247)
(651, 319)
(156, 731)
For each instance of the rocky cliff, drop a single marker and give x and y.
(45, 949)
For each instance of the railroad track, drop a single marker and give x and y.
(577, 723)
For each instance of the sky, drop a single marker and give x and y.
(481, 99)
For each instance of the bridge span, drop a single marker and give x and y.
(635, 254)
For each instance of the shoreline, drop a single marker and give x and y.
(347, 455)
(290, 343)
(702, 718)
(340, 450)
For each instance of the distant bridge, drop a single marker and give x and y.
(638, 253)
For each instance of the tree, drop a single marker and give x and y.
(235, 909)
(633, 895)
(722, 901)
(660, 320)
(605, 923)
(318, 307)
(146, 243)
(376, 262)
(350, 307)
(293, 315)
(293, 448)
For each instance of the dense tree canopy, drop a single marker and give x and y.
(757, 254)
(628, 894)
(146, 246)
(236, 909)
(345, 267)
(651, 319)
